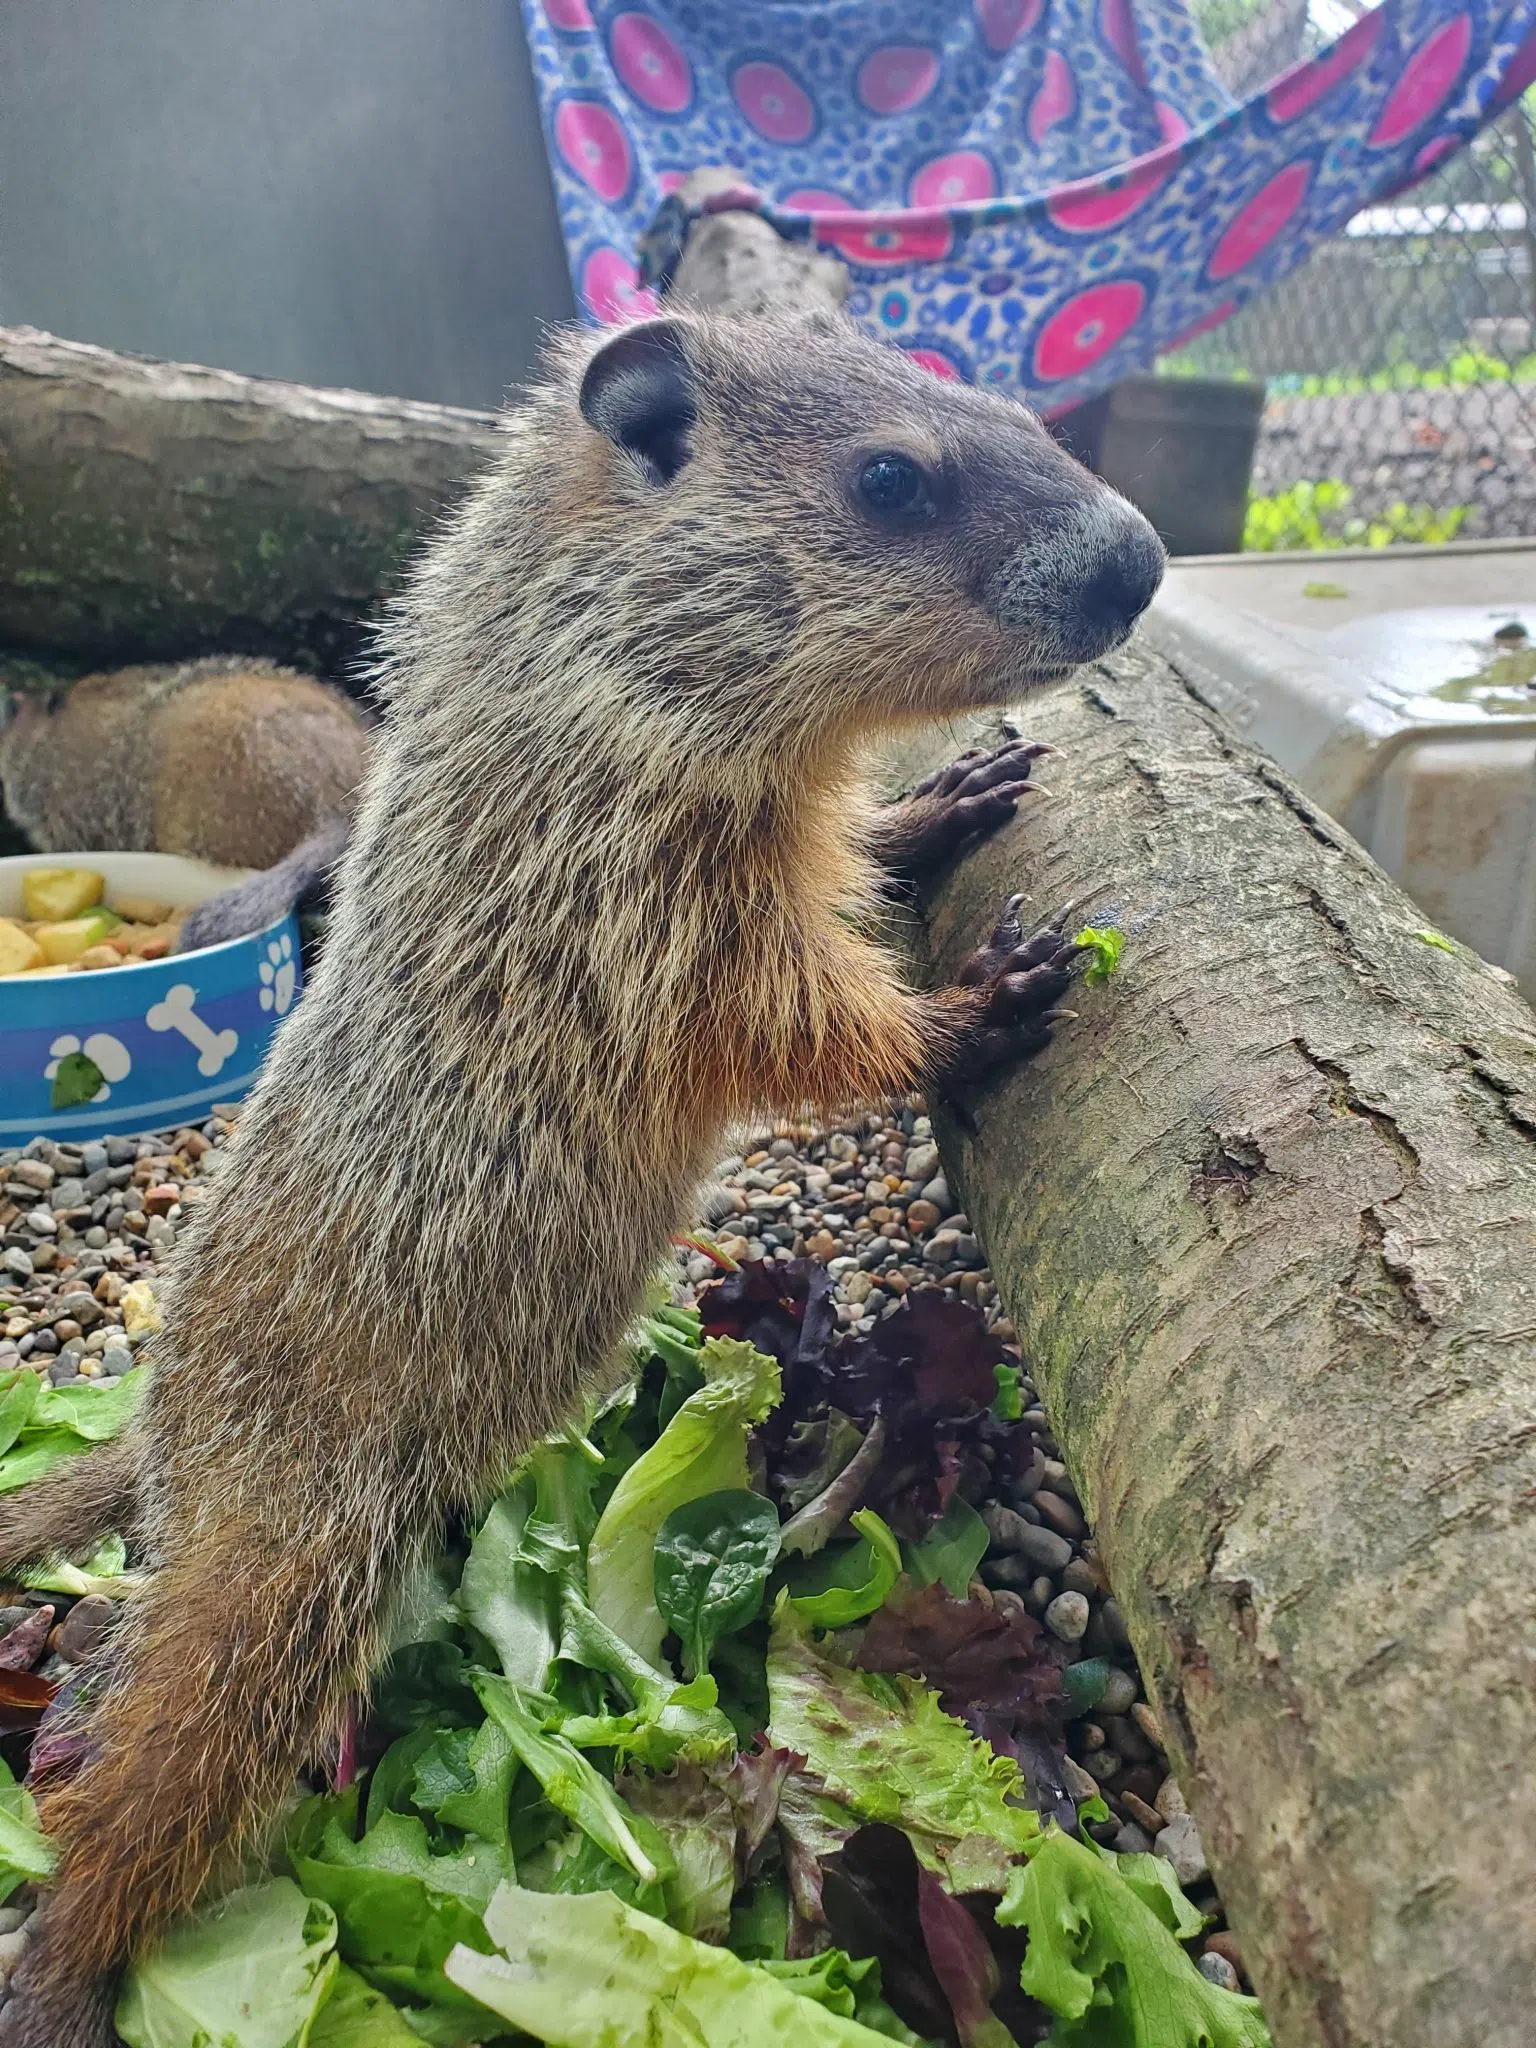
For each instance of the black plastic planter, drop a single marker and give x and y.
(1180, 448)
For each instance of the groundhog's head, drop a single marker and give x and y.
(760, 503)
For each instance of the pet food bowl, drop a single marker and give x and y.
(170, 1038)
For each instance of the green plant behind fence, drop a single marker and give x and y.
(1315, 515)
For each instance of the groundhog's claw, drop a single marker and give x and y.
(965, 802)
(1019, 982)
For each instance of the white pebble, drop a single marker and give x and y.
(1180, 1843)
(1067, 1617)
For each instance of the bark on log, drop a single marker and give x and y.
(152, 510)
(1265, 1219)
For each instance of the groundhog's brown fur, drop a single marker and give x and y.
(225, 760)
(597, 903)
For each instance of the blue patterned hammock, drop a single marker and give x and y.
(891, 130)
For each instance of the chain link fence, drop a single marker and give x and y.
(1400, 359)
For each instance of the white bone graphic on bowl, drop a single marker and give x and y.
(176, 1013)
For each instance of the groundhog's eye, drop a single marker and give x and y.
(891, 484)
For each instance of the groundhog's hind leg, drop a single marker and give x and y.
(235, 1662)
(67, 1511)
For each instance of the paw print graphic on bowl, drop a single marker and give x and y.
(108, 1055)
(278, 975)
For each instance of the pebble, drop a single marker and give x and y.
(1214, 1965)
(1078, 1781)
(1060, 1514)
(1170, 1801)
(1119, 1691)
(1224, 1943)
(13, 1947)
(1146, 1817)
(1146, 1720)
(85, 1627)
(922, 1163)
(1180, 1843)
(1131, 1840)
(1067, 1617)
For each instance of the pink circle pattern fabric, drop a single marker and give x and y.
(1038, 198)
(897, 78)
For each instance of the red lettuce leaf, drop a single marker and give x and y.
(997, 1671)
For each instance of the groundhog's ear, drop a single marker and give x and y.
(638, 391)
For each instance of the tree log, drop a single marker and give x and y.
(153, 510)
(1265, 1219)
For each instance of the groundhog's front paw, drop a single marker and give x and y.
(963, 803)
(1019, 982)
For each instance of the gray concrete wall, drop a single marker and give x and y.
(339, 191)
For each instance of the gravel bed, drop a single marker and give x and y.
(83, 1227)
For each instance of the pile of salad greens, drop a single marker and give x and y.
(702, 1737)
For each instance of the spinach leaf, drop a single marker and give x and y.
(951, 1550)
(713, 1557)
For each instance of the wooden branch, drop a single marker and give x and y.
(1265, 1219)
(151, 510)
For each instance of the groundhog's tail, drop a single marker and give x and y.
(67, 1511)
(252, 905)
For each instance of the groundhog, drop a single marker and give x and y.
(600, 899)
(232, 761)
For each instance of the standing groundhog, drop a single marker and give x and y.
(597, 903)
(232, 761)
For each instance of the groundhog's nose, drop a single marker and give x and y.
(1080, 581)
(1119, 589)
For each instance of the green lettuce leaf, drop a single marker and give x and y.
(464, 1778)
(669, 1720)
(1107, 1964)
(93, 1409)
(16, 1404)
(514, 1604)
(845, 1985)
(839, 1587)
(250, 1972)
(570, 1783)
(884, 1747)
(104, 1571)
(398, 1909)
(703, 1449)
(357, 2016)
(26, 1854)
(592, 1972)
(573, 1862)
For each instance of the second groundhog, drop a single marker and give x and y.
(604, 896)
(233, 761)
